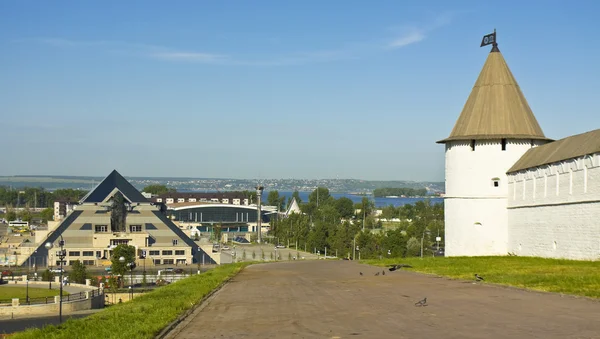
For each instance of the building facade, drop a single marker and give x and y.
(91, 237)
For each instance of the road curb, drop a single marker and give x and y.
(167, 330)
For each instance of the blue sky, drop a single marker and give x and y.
(274, 89)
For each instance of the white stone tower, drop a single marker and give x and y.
(494, 129)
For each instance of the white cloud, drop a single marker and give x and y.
(406, 35)
(407, 39)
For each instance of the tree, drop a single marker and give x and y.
(25, 215)
(47, 275)
(126, 251)
(118, 213)
(320, 196)
(158, 189)
(344, 207)
(10, 215)
(78, 272)
(217, 230)
(47, 214)
(274, 199)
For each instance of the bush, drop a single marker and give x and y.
(47, 275)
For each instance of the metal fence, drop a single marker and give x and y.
(50, 300)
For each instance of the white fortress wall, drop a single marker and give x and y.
(554, 210)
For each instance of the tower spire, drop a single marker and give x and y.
(496, 107)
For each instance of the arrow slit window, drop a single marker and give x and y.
(472, 145)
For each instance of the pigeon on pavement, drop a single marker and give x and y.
(421, 302)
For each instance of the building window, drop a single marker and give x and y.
(192, 199)
(156, 261)
(72, 262)
(88, 253)
(89, 262)
(472, 145)
(496, 182)
(135, 228)
(180, 252)
(169, 200)
(504, 144)
(154, 252)
(181, 200)
(158, 199)
(74, 253)
(168, 261)
(165, 252)
(64, 262)
(115, 242)
(101, 228)
(98, 254)
(175, 241)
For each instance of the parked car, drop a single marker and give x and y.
(224, 248)
(6, 273)
(178, 271)
(280, 246)
(58, 270)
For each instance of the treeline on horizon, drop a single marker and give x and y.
(30, 197)
(402, 191)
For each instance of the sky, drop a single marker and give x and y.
(275, 89)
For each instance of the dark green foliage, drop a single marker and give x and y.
(47, 275)
(274, 199)
(78, 273)
(407, 192)
(333, 225)
(158, 189)
(126, 251)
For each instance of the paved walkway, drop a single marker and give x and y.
(329, 299)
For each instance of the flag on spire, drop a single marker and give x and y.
(489, 39)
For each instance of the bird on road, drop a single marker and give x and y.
(360, 273)
(376, 274)
(421, 302)
(478, 277)
(398, 266)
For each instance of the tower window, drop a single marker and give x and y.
(496, 182)
(504, 144)
(472, 145)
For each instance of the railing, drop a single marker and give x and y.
(50, 300)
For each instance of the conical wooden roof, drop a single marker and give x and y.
(496, 107)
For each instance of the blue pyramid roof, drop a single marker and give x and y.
(108, 185)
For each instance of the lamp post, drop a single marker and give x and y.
(27, 290)
(259, 190)
(130, 266)
(61, 255)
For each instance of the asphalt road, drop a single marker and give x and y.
(330, 299)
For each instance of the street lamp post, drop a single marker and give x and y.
(130, 266)
(61, 256)
(259, 190)
(27, 290)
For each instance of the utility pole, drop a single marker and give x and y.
(259, 190)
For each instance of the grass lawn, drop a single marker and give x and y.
(146, 315)
(8, 292)
(551, 275)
